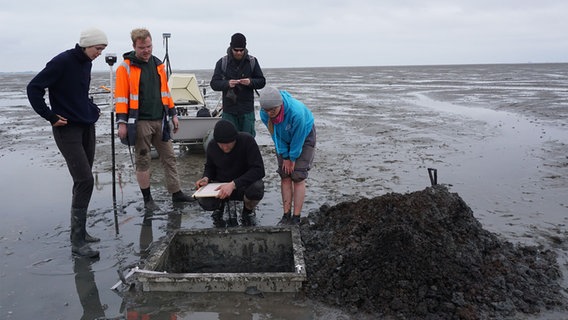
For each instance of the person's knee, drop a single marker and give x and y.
(90, 181)
(299, 176)
(250, 204)
(209, 204)
(143, 161)
(255, 191)
(85, 183)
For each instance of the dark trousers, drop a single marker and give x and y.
(77, 145)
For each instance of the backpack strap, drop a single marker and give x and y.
(252, 60)
(225, 60)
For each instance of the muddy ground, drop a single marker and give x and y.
(381, 243)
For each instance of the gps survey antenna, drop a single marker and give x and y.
(110, 59)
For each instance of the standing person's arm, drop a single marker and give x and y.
(298, 129)
(218, 81)
(257, 79)
(36, 91)
(121, 95)
(169, 103)
(299, 133)
(301, 123)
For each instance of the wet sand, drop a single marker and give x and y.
(497, 136)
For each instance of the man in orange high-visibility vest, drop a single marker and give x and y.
(144, 107)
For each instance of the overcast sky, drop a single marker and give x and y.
(293, 33)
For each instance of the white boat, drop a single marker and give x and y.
(196, 120)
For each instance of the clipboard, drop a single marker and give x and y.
(208, 190)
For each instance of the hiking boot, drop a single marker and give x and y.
(181, 197)
(295, 220)
(151, 205)
(247, 217)
(217, 216)
(232, 211)
(285, 219)
(232, 222)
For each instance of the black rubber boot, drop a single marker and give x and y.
(90, 238)
(181, 197)
(78, 244)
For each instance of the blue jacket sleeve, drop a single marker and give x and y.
(299, 131)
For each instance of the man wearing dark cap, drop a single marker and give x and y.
(238, 75)
(234, 159)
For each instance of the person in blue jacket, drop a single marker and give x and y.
(291, 126)
(72, 115)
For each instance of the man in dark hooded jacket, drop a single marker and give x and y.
(234, 160)
(238, 75)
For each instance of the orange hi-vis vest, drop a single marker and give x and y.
(128, 88)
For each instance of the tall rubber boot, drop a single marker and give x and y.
(78, 244)
(88, 237)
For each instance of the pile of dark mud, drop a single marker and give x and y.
(423, 255)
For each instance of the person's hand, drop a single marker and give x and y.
(201, 182)
(233, 83)
(288, 166)
(225, 190)
(175, 121)
(61, 122)
(122, 130)
(244, 81)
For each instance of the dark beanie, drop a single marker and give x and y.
(224, 131)
(238, 40)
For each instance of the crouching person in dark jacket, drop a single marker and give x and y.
(234, 160)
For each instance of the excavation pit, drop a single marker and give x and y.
(269, 259)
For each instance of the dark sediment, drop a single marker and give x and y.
(423, 255)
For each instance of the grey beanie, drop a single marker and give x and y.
(92, 37)
(270, 97)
